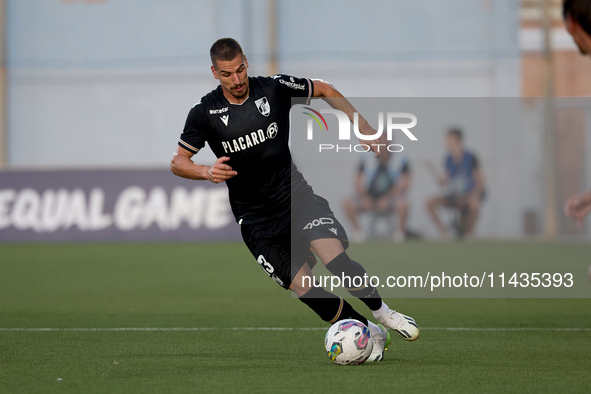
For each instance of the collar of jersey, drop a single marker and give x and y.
(238, 103)
(228, 101)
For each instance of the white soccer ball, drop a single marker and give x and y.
(348, 342)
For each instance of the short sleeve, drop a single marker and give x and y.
(193, 137)
(294, 87)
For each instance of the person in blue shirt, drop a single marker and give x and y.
(463, 182)
(380, 186)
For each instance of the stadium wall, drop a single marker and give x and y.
(112, 206)
(107, 84)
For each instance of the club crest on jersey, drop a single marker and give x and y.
(263, 106)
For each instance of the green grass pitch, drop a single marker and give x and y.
(220, 286)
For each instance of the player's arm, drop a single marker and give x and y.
(336, 100)
(578, 206)
(192, 140)
(182, 165)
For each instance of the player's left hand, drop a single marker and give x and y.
(220, 172)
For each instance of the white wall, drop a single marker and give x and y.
(109, 84)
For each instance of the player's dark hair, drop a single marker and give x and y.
(225, 49)
(456, 132)
(579, 11)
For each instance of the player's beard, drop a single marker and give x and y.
(241, 94)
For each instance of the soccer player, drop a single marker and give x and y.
(463, 181)
(381, 187)
(577, 16)
(245, 121)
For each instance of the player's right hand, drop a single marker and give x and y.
(578, 206)
(220, 172)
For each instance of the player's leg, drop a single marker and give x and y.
(314, 223)
(272, 251)
(329, 307)
(332, 253)
(433, 204)
(289, 265)
(332, 308)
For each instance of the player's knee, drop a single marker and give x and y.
(302, 281)
(342, 264)
(327, 249)
(300, 287)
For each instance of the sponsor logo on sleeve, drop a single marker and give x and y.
(292, 84)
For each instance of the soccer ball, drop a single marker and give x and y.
(348, 342)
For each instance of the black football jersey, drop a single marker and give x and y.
(254, 135)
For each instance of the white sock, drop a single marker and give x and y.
(381, 313)
(373, 328)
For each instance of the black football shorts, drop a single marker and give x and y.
(281, 245)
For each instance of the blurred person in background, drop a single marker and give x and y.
(577, 17)
(380, 188)
(464, 187)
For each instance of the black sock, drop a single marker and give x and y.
(343, 266)
(330, 307)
